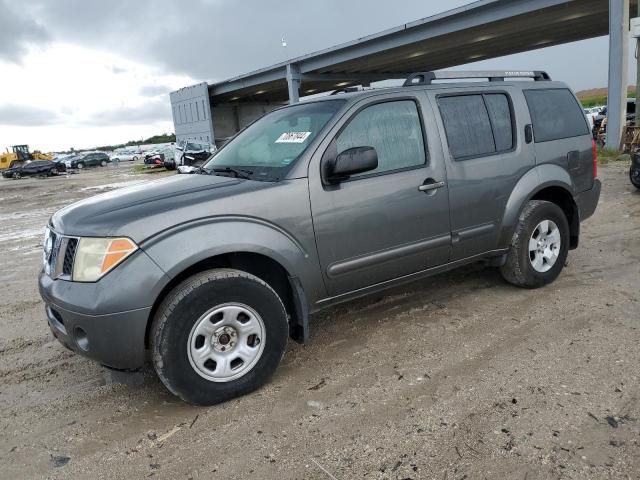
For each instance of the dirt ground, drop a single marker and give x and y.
(457, 376)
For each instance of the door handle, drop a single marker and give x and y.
(427, 187)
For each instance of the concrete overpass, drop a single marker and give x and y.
(481, 30)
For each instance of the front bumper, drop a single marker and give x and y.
(115, 340)
(587, 201)
(105, 321)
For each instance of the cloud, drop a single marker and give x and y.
(155, 90)
(150, 112)
(27, 116)
(17, 32)
(212, 40)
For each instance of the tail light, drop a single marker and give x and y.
(594, 150)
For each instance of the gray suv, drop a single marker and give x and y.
(312, 205)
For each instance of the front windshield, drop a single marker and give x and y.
(270, 146)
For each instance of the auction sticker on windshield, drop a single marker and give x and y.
(293, 137)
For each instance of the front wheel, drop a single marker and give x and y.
(80, 166)
(634, 176)
(539, 246)
(218, 335)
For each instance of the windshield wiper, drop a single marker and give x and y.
(238, 172)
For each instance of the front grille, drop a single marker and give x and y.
(63, 252)
(69, 256)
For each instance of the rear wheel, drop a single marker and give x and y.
(54, 171)
(539, 246)
(103, 163)
(218, 335)
(17, 175)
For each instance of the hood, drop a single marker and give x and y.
(143, 210)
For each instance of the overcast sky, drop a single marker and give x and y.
(89, 72)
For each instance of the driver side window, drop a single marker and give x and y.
(393, 129)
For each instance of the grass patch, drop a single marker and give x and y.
(594, 101)
(146, 169)
(608, 155)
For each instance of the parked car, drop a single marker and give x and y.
(124, 156)
(21, 169)
(93, 159)
(315, 204)
(189, 156)
(154, 158)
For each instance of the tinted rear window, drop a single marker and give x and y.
(555, 115)
(500, 114)
(477, 125)
(466, 121)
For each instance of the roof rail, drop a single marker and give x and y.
(345, 90)
(427, 78)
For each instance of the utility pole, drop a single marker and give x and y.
(618, 68)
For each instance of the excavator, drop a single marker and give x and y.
(21, 153)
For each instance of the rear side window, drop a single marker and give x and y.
(477, 125)
(555, 114)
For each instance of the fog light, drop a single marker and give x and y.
(81, 339)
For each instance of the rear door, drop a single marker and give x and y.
(483, 137)
(32, 168)
(381, 225)
(561, 133)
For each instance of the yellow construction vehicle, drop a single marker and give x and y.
(22, 153)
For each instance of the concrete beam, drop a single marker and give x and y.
(618, 71)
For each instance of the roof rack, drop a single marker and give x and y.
(345, 90)
(427, 78)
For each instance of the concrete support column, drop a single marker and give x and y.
(618, 70)
(293, 82)
(637, 45)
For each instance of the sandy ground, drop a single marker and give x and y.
(457, 376)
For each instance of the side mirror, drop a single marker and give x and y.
(351, 162)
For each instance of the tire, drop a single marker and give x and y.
(134, 159)
(80, 166)
(17, 175)
(217, 295)
(535, 259)
(103, 163)
(634, 176)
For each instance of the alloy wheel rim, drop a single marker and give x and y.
(544, 246)
(226, 342)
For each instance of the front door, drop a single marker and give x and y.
(390, 222)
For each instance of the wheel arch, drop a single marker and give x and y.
(563, 198)
(272, 272)
(550, 183)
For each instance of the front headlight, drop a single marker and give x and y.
(97, 256)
